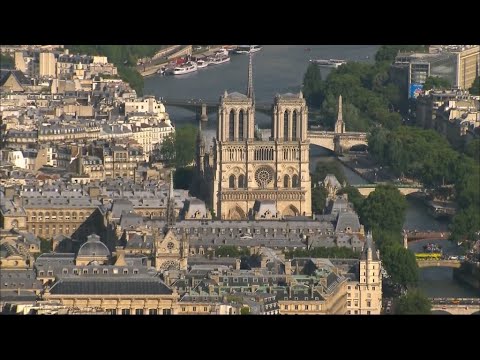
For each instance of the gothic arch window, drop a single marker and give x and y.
(295, 181)
(294, 125)
(285, 125)
(286, 180)
(231, 126)
(240, 125)
(241, 181)
(231, 182)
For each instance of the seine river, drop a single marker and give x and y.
(280, 69)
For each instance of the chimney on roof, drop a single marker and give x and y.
(17, 201)
(288, 267)
(237, 264)
(120, 261)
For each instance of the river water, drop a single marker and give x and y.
(280, 69)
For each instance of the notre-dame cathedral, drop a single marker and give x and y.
(247, 177)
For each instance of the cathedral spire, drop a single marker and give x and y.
(170, 205)
(250, 92)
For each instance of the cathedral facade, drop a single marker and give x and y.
(253, 178)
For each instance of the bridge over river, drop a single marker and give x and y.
(456, 306)
(339, 142)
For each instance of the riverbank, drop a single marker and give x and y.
(154, 66)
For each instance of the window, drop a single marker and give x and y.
(231, 182)
(356, 312)
(235, 279)
(306, 307)
(285, 125)
(135, 271)
(85, 271)
(369, 304)
(50, 273)
(349, 303)
(373, 288)
(139, 312)
(194, 308)
(294, 126)
(240, 125)
(95, 271)
(286, 181)
(286, 307)
(75, 271)
(296, 307)
(183, 308)
(295, 181)
(152, 312)
(231, 126)
(125, 311)
(349, 295)
(105, 271)
(368, 312)
(65, 271)
(241, 181)
(205, 309)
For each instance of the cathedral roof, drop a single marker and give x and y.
(236, 96)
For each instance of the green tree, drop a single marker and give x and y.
(230, 251)
(324, 252)
(384, 209)
(473, 149)
(185, 145)
(389, 52)
(354, 196)
(475, 89)
(436, 82)
(179, 148)
(400, 263)
(319, 198)
(328, 167)
(465, 224)
(167, 150)
(312, 85)
(414, 303)
(245, 310)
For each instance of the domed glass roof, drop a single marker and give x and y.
(93, 247)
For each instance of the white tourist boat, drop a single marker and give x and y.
(186, 68)
(247, 49)
(219, 60)
(202, 64)
(221, 52)
(333, 63)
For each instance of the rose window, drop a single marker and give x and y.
(264, 176)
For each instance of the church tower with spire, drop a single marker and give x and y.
(259, 178)
(171, 253)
